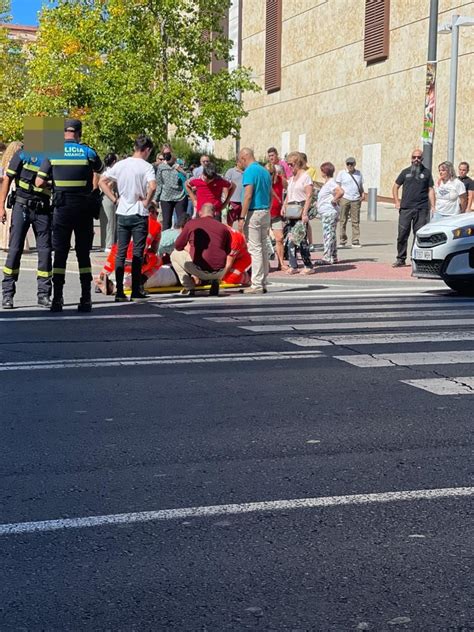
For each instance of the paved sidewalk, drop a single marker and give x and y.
(371, 262)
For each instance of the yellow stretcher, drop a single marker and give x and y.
(177, 288)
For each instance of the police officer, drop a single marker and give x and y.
(76, 202)
(30, 207)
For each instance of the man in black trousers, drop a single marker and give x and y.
(417, 199)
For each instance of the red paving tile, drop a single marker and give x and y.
(353, 269)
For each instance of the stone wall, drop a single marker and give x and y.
(332, 103)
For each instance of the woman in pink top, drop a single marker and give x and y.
(300, 190)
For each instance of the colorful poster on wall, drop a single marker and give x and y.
(430, 103)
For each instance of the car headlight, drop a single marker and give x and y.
(466, 231)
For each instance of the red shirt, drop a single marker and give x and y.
(209, 192)
(277, 186)
(209, 240)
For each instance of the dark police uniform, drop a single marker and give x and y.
(72, 178)
(31, 208)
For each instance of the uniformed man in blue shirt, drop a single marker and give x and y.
(30, 207)
(76, 202)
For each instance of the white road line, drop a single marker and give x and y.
(294, 296)
(408, 359)
(81, 363)
(233, 509)
(333, 315)
(60, 317)
(366, 306)
(378, 339)
(445, 385)
(392, 324)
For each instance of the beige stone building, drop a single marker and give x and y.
(334, 84)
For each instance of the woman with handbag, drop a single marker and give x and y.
(328, 210)
(295, 210)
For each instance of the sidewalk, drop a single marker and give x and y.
(371, 262)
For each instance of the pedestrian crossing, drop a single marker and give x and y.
(432, 332)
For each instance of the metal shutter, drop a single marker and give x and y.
(273, 17)
(377, 30)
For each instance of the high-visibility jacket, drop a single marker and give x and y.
(242, 260)
(73, 172)
(24, 168)
(151, 260)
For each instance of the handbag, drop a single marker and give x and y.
(293, 211)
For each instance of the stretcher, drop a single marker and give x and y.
(178, 288)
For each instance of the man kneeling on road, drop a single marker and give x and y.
(201, 252)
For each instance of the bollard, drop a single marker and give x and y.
(372, 205)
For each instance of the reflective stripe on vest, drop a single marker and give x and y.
(70, 161)
(70, 183)
(30, 188)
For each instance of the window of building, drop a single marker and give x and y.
(377, 30)
(273, 19)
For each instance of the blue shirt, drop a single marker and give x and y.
(259, 177)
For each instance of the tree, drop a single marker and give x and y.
(128, 66)
(12, 78)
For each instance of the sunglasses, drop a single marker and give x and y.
(417, 157)
(350, 164)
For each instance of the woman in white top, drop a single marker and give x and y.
(300, 191)
(451, 196)
(328, 211)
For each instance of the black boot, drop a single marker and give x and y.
(7, 302)
(85, 304)
(57, 302)
(119, 293)
(44, 301)
(137, 287)
(214, 291)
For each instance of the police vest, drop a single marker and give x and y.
(74, 171)
(24, 168)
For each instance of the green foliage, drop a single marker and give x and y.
(13, 55)
(131, 66)
(191, 154)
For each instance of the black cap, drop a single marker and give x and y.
(72, 125)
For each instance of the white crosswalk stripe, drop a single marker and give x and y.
(416, 323)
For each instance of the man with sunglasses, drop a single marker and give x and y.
(417, 200)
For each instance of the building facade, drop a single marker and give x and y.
(348, 78)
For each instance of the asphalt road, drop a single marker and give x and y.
(175, 405)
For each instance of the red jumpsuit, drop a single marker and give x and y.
(242, 261)
(151, 260)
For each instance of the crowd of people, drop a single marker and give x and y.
(166, 223)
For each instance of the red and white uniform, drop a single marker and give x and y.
(242, 261)
(151, 260)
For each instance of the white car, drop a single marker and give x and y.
(445, 249)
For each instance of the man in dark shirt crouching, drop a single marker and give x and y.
(201, 251)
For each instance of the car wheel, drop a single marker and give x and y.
(463, 287)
